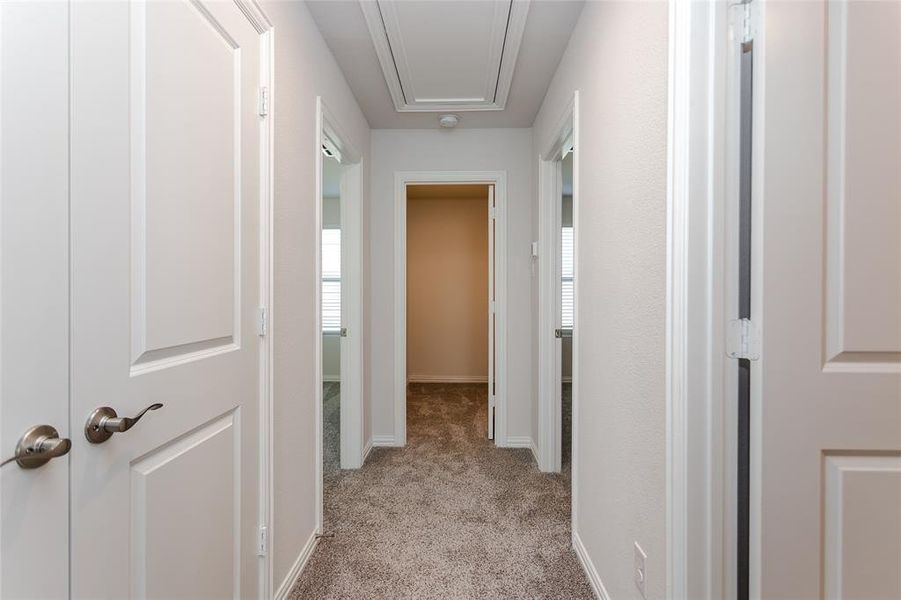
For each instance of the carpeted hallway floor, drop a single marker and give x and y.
(449, 516)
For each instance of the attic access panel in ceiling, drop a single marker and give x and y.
(447, 56)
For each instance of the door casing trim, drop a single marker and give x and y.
(329, 129)
(401, 180)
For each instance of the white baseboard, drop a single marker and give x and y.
(381, 441)
(297, 568)
(590, 571)
(447, 379)
(367, 449)
(523, 441)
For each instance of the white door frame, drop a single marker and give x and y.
(263, 26)
(401, 180)
(701, 183)
(549, 366)
(329, 132)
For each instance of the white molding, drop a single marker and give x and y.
(367, 450)
(516, 26)
(383, 441)
(597, 586)
(266, 509)
(255, 14)
(447, 378)
(523, 441)
(382, 23)
(284, 590)
(401, 179)
(677, 264)
(549, 348)
(328, 128)
(698, 545)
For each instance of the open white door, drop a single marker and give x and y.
(826, 392)
(34, 294)
(351, 320)
(165, 238)
(492, 313)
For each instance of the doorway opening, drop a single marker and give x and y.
(332, 329)
(565, 258)
(450, 288)
(339, 343)
(557, 298)
(449, 261)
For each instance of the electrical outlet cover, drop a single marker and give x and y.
(639, 570)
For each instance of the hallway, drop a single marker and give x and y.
(450, 515)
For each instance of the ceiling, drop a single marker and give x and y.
(407, 61)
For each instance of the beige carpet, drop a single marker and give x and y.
(449, 516)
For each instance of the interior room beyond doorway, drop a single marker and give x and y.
(447, 283)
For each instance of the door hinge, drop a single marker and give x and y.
(742, 340)
(263, 549)
(264, 101)
(492, 212)
(492, 307)
(262, 322)
(743, 21)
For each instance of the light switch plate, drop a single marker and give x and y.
(640, 572)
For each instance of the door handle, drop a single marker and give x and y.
(343, 332)
(104, 422)
(563, 333)
(38, 446)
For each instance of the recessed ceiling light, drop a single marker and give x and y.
(448, 121)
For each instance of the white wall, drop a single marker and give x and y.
(458, 150)
(617, 59)
(304, 68)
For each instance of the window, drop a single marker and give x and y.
(331, 280)
(566, 278)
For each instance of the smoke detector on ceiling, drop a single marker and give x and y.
(448, 121)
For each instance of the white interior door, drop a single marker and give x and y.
(351, 320)
(34, 293)
(165, 259)
(492, 313)
(557, 303)
(826, 393)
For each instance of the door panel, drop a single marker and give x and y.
(828, 390)
(165, 259)
(863, 185)
(186, 171)
(862, 543)
(34, 293)
(157, 548)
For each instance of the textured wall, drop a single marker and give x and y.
(617, 60)
(458, 150)
(304, 69)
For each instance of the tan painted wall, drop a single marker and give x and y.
(447, 288)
